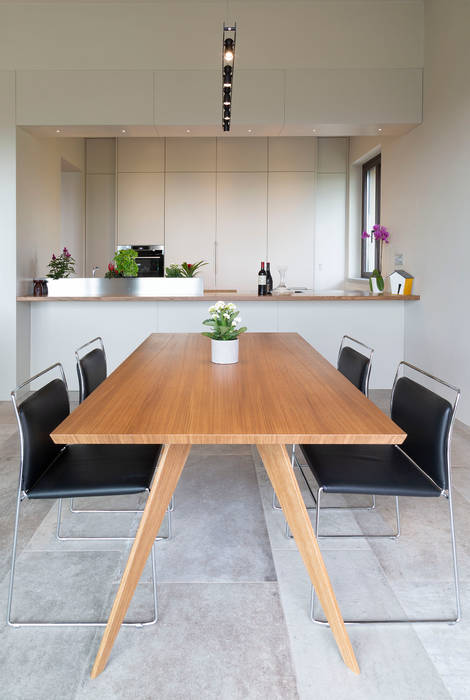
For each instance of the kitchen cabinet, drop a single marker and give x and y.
(190, 228)
(140, 208)
(241, 229)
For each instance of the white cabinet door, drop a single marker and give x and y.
(140, 208)
(190, 221)
(330, 235)
(291, 226)
(241, 229)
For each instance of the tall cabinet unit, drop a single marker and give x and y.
(190, 204)
(330, 234)
(291, 208)
(140, 191)
(100, 204)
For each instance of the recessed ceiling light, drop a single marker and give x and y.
(314, 131)
(188, 131)
(250, 130)
(58, 131)
(123, 131)
(380, 129)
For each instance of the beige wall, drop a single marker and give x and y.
(426, 203)
(38, 184)
(173, 34)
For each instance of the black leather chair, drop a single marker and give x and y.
(419, 468)
(92, 371)
(356, 367)
(91, 367)
(55, 471)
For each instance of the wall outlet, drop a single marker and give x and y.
(398, 259)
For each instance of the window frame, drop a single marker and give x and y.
(376, 161)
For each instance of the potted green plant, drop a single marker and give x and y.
(224, 321)
(61, 266)
(185, 269)
(125, 263)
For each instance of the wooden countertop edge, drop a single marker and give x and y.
(233, 297)
(228, 439)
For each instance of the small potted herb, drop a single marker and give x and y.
(125, 263)
(61, 266)
(224, 321)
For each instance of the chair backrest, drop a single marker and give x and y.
(427, 418)
(91, 369)
(355, 365)
(38, 415)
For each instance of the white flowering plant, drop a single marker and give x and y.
(225, 322)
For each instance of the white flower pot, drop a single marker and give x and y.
(224, 352)
(375, 289)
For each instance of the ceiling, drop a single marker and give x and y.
(58, 131)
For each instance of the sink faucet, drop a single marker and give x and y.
(95, 268)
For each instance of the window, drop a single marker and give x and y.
(370, 214)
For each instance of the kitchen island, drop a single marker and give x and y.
(58, 325)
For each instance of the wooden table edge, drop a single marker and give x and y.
(244, 439)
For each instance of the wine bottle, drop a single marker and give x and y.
(262, 281)
(269, 279)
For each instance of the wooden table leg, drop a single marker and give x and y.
(281, 474)
(170, 466)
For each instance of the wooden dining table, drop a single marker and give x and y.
(282, 391)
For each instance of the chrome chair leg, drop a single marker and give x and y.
(61, 538)
(13, 559)
(449, 621)
(17, 624)
(171, 508)
(391, 536)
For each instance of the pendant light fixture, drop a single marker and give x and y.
(228, 61)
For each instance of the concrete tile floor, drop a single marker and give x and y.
(234, 595)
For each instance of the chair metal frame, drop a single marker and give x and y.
(22, 495)
(295, 462)
(445, 493)
(171, 507)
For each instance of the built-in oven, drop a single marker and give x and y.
(150, 259)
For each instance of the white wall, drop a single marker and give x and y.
(38, 186)
(8, 342)
(284, 34)
(426, 203)
(72, 228)
(341, 64)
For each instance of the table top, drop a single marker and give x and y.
(281, 391)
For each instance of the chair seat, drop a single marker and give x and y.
(98, 470)
(366, 469)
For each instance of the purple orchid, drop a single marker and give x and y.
(365, 235)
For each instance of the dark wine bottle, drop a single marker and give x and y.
(269, 279)
(262, 281)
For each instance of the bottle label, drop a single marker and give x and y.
(262, 280)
